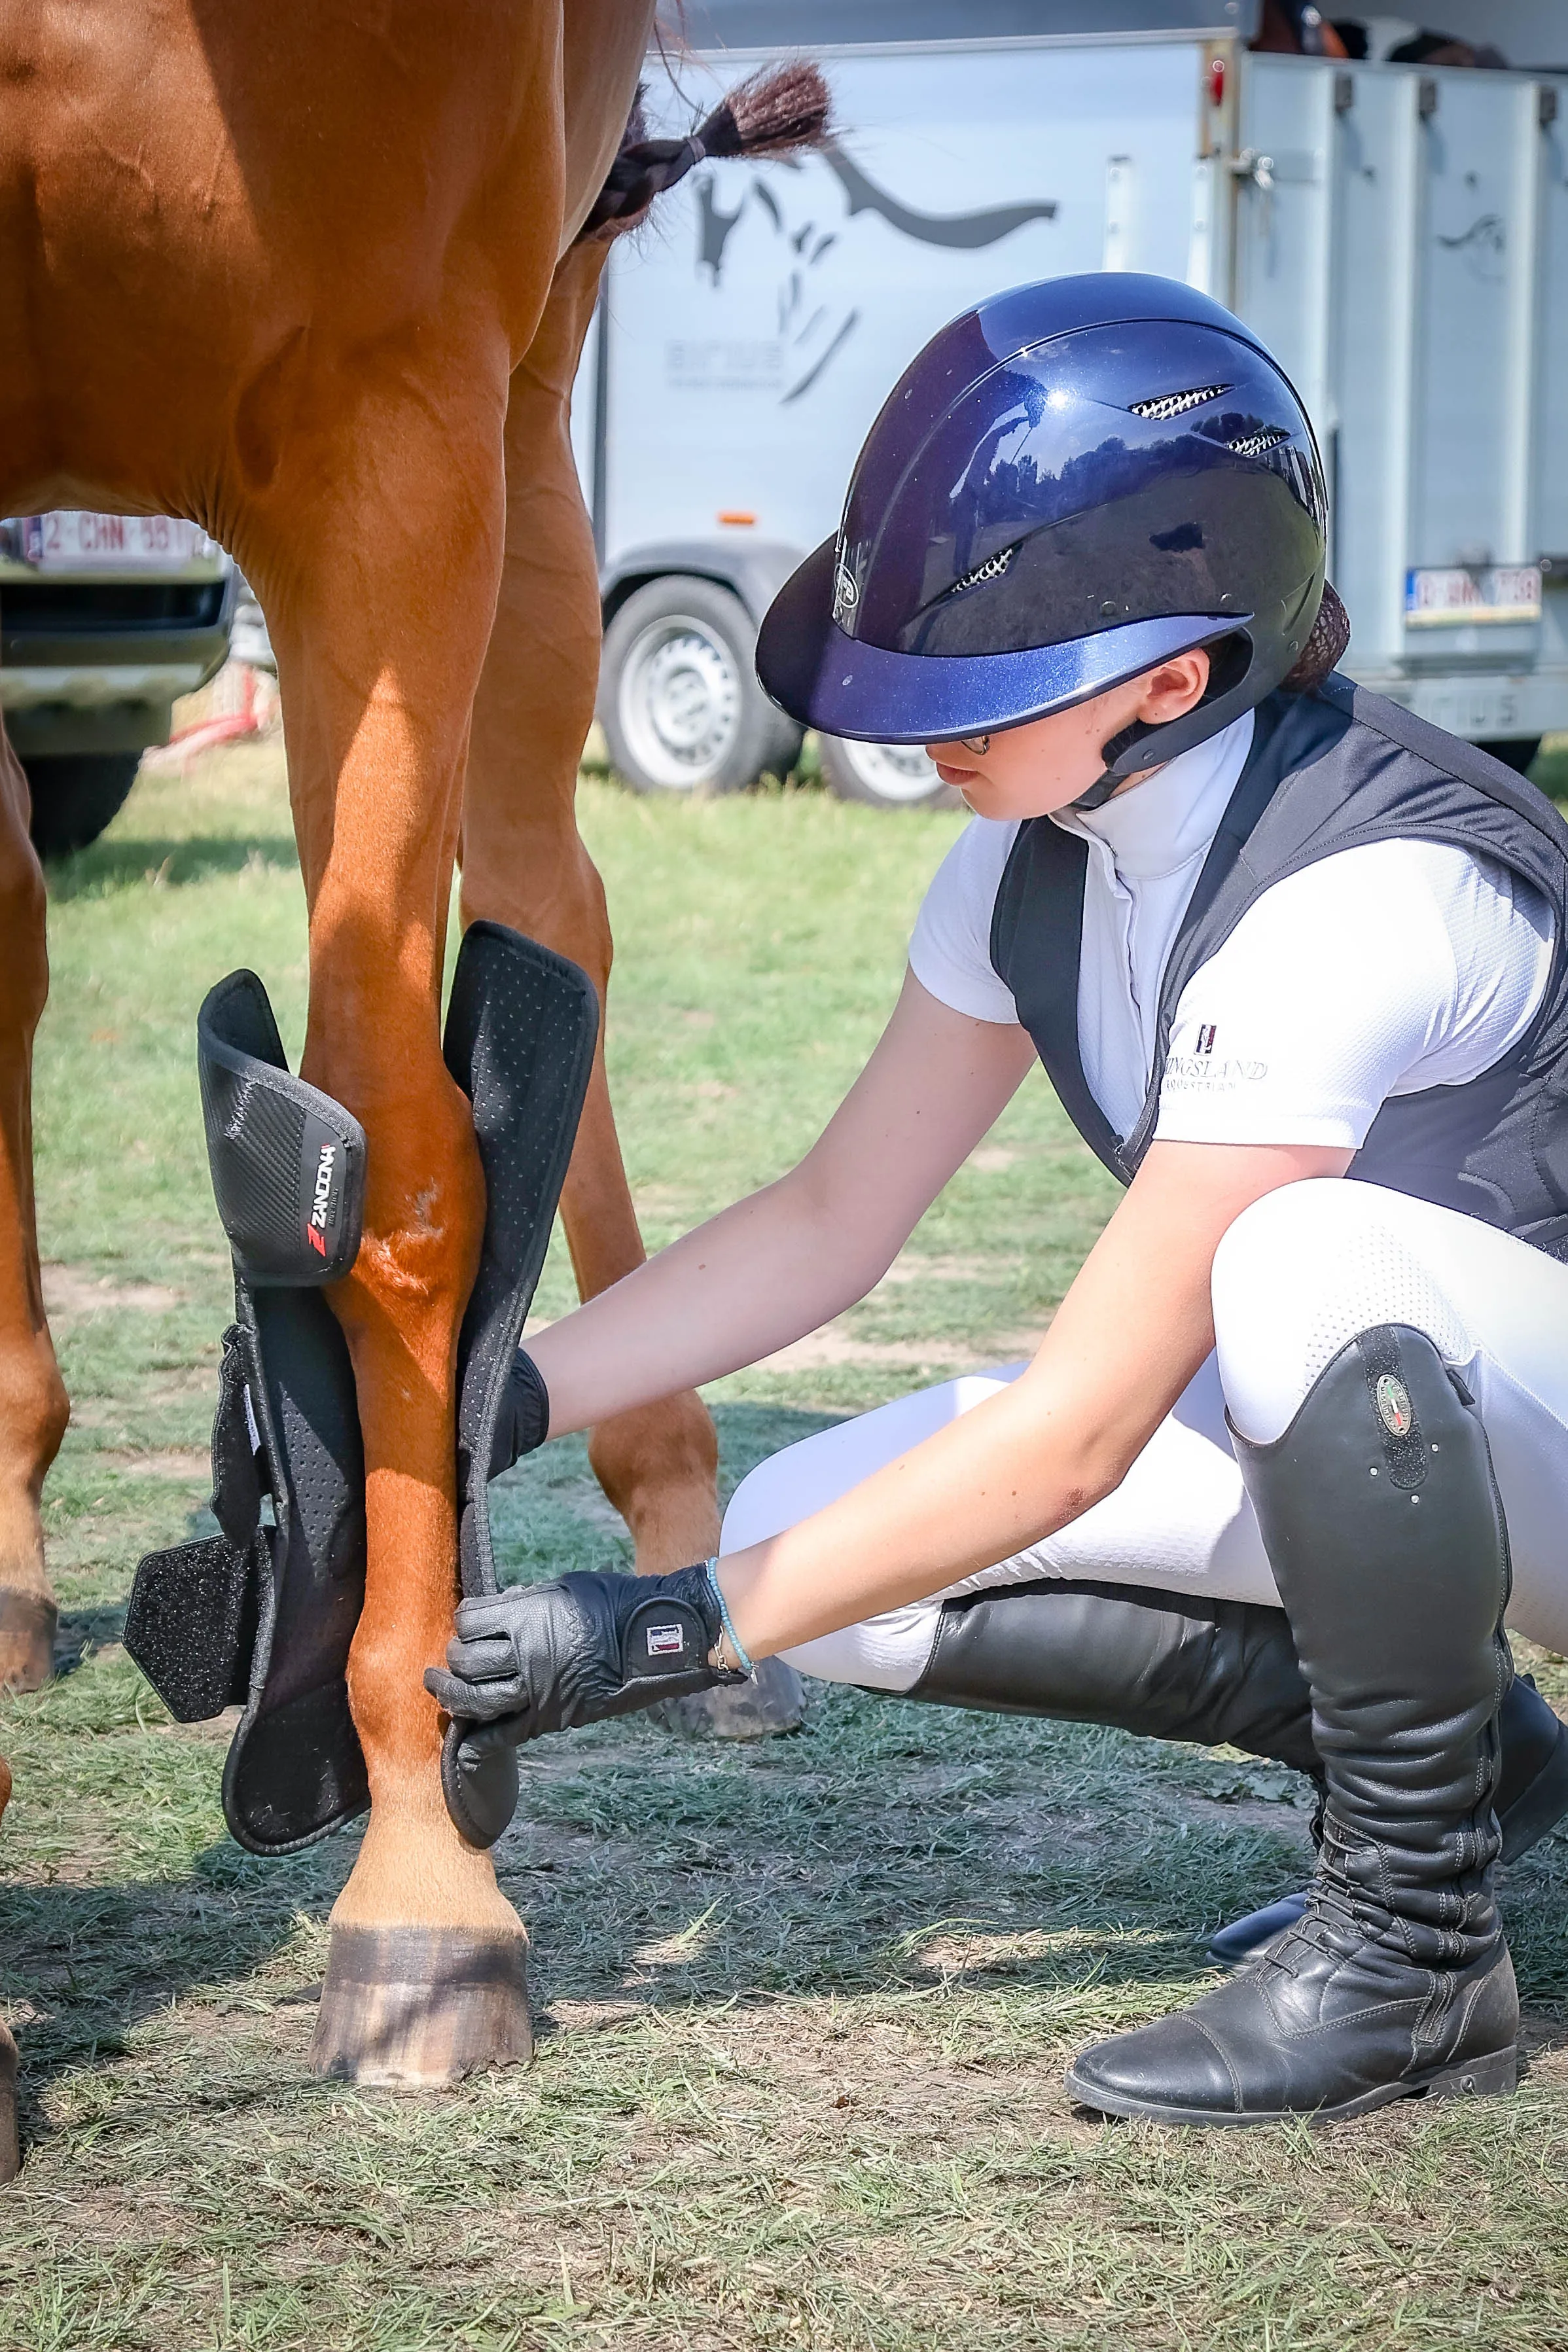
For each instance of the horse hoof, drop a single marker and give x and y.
(27, 1622)
(10, 2144)
(773, 1701)
(420, 2007)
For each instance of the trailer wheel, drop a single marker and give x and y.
(1515, 751)
(74, 796)
(883, 775)
(678, 698)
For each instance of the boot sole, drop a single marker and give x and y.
(1477, 2078)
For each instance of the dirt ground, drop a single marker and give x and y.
(804, 2008)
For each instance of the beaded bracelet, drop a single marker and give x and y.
(731, 1635)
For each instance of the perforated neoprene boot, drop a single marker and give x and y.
(1168, 1665)
(1386, 1537)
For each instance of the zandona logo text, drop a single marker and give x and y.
(316, 1228)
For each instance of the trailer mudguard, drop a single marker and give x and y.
(263, 1613)
(521, 1027)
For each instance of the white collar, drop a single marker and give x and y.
(1169, 819)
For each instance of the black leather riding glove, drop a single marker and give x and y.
(548, 1657)
(523, 1424)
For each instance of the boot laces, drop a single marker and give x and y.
(1339, 1916)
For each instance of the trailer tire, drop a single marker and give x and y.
(678, 698)
(883, 775)
(1515, 751)
(75, 795)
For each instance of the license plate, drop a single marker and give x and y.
(1455, 599)
(73, 541)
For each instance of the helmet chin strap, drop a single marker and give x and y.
(1142, 746)
(1113, 752)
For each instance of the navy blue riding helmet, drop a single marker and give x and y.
(1071, 483)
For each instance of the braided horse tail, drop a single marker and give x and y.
(777, 111)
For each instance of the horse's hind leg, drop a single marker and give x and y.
(33, 1408)
(524, 864)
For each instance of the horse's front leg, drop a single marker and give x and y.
(380, 623)
(524, 864)
(33, 1408)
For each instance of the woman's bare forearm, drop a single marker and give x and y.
(779, 1264)
(750, 1280)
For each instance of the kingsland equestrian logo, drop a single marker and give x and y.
(666, 1641)
(1205, 1038)
(316, 1226)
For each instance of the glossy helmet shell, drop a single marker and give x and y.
(1072, 482)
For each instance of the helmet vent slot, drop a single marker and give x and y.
(992, 569)
(1255, 443)
(1176, 404)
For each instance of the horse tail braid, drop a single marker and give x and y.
(1320, 654)
(776, 112)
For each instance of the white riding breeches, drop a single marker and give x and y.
(1297, 1276)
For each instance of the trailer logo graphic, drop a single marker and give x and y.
(813, 331)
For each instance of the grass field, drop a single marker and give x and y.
(804, 2008)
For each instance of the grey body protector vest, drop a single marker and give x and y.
(1328, 771)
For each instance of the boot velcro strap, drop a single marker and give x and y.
(191, 1625)
(663, 1637)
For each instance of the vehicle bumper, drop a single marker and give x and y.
(1479, 705)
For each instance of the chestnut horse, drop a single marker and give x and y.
(309, 277)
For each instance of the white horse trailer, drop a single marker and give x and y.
(1398, 234)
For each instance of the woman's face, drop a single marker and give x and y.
(1030, 770)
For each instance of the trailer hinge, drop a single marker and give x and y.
(1426, 98)
(1546, 108)
(1252, 164)
(1344, 93)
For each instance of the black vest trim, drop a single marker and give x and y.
(1327, 772)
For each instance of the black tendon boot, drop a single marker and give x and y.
(1386, 1534)
(1168, 1666)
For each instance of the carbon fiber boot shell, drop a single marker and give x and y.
(1386, 1537)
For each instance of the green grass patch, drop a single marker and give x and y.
(804, 2008)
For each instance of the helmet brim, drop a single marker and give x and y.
(842, 686)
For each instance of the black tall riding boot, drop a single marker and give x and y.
(1166, 1665)
(1386, 1537)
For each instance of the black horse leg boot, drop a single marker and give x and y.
(1168, 1666)
(1385, 1533)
